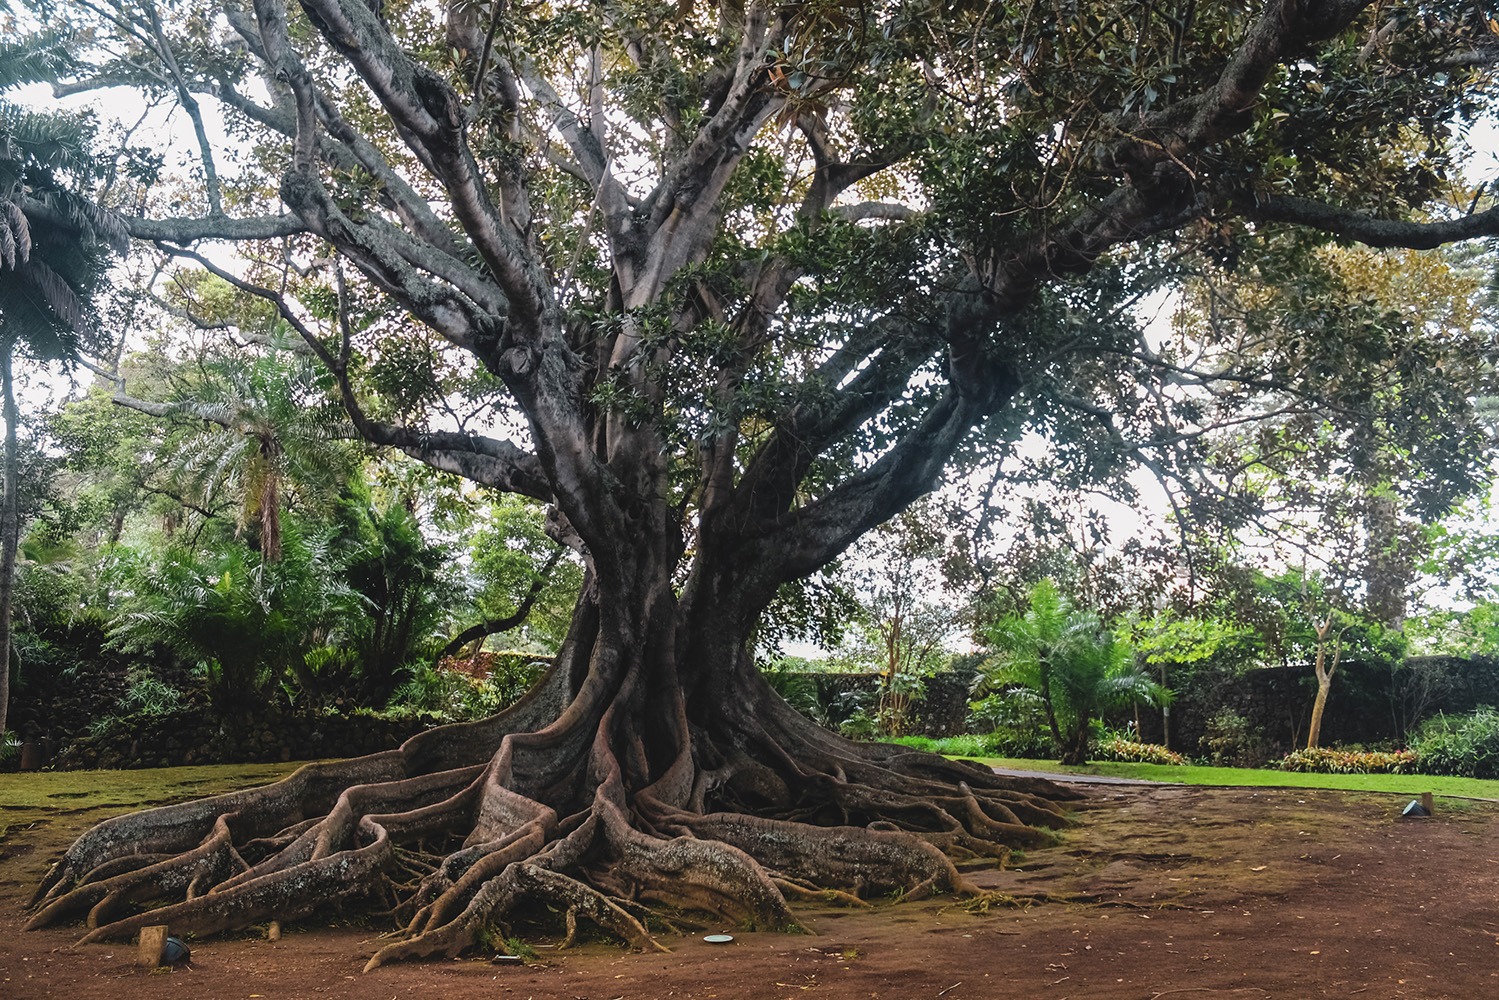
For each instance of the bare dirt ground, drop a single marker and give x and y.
(1158, 892)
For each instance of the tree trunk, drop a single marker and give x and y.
(1075, 749)
(652, 764)
(1319, 704)
(10, 524)
(1324, 672)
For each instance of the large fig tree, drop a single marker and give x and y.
(734, 284)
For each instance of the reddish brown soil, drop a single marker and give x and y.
(1160, 891)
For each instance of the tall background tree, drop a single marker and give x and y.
(55, 246)
(726, 293)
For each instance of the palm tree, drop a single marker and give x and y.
(54, 249)
(1066, 658)
(265, 437)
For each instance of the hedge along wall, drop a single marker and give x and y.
(942, 710)
(1369, 703)
(193, 738)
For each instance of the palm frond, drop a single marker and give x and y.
(84, 219)
(38, 58)
(58, 295)
(8, 244)
(48, 141)
(21, 227)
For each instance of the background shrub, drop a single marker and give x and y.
(1332, 760)
(1117, 748)
(1465, 746)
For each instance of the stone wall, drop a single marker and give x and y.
(191, 738)
(1368, 703)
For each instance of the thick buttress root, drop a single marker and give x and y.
(580, 810)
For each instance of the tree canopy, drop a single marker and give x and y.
(727, 287)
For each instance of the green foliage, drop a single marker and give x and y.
(1119, 748)
(1470, 632)
(1324, 760)
(996, 744)
(405, 592)
(798, 689)
(823, 696)
(819, 609)
(1066, 657)
(860, 726)
(452, 696)
(1000, 744)
(54, 243)
(147, 694)
(1243, 777)
(1460, 745)
(255, 435)
(1187, 640)
(1228, 740)
(247, 623)
(507, 549)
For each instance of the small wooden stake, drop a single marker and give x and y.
(153, 942)
(1428, 803)
(273, 932)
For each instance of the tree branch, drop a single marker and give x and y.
(431, 120)
(493, 462)
(1367, 229)
(214, 227)
(492, 626)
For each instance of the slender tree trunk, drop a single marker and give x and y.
(1325, 671)
(1075, 749)
(10, 525)
(1051, 711)
(1165, 714)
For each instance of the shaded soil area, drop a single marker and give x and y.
(1158, 891)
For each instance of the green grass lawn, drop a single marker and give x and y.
(42, 812)
(1397, 784)
(124, 790)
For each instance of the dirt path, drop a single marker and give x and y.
(1159, 892)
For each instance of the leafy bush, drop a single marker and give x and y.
(1026, 743)
(799, 691)
(1072, 661)
(1117, 748)
(1465, 746)
(859, 726)
(966, 745)
(147, 694)
(247, 622)
(451, 696)
(1327, 760)
(848, 709)
(996, 744)
(1230, 741)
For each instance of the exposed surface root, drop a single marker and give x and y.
(607, 809)
(986, 901)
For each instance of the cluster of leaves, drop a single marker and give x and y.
(236, 533)
(1338, 760)
(445, 695)
(1122, 749)
(1465, 745)
(1066, 659)
(1001, 743)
